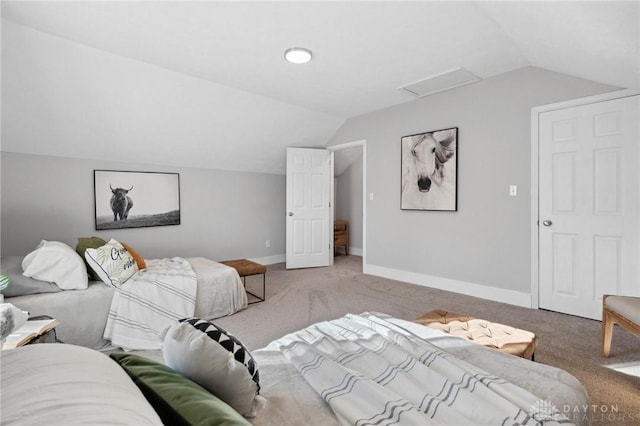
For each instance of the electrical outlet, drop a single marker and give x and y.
(267, 243)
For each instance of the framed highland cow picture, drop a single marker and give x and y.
(135, 199)
(429, 171)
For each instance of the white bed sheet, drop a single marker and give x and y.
(220, 290)
(165, 292)
(151, 301)
(291, 400)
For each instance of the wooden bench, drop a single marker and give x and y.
(247, 268)
(502, 337)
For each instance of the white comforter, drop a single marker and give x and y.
(165, 292)
(371, 370)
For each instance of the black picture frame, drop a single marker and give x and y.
(130, 199)
(429, 170)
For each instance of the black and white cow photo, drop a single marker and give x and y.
(136, 199)
(429, 170)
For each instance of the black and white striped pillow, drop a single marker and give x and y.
(216, 360)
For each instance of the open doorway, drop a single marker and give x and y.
(349, 194)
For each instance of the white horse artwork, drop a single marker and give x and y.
(429, 170)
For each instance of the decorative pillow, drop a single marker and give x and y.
(139, 260)
(56, 262)
(19, 285)
(89, 242)
(112, 262)
(177, 400)
(216, 360)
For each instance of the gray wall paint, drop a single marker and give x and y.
(223, 214)
(65, 99)
(487, 241)
(349, 200)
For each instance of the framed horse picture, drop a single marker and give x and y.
(430, 171)
(136, 199)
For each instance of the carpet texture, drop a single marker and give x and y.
(299, 297)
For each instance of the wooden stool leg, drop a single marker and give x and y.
(607, 332)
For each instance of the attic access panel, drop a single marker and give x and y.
(126, 199)
(441, 82)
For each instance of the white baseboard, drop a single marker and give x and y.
(356, 251)
(269, 260)
(281, 258)
(470, 289)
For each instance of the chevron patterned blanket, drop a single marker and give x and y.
(373, 371)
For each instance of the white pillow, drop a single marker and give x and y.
(112, 262)
(56, 262)
(216, 360)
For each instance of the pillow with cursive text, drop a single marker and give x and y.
(112, 263)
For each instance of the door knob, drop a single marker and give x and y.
(290, 213)
(547, 222)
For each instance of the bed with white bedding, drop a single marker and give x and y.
(370, 368)
(357, 370)
(83, 314)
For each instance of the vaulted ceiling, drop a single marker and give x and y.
(363, 53)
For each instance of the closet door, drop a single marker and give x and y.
(589, 205)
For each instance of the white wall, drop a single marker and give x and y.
(224, 214)
(66, 96)
(348, 189)
(65, 99)
(484, 248)
(68, 109)
(1, 21)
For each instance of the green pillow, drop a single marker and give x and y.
(177, 400)
(89, 242)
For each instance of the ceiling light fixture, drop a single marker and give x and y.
(297, 55)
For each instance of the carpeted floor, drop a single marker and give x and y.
(297, 298)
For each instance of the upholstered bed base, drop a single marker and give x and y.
(82, 313)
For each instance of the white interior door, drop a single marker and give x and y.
(588, 205)
(309, 215)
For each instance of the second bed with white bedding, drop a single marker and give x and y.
(83, 313)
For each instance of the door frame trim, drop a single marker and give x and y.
(535, 156)
(347, 145)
